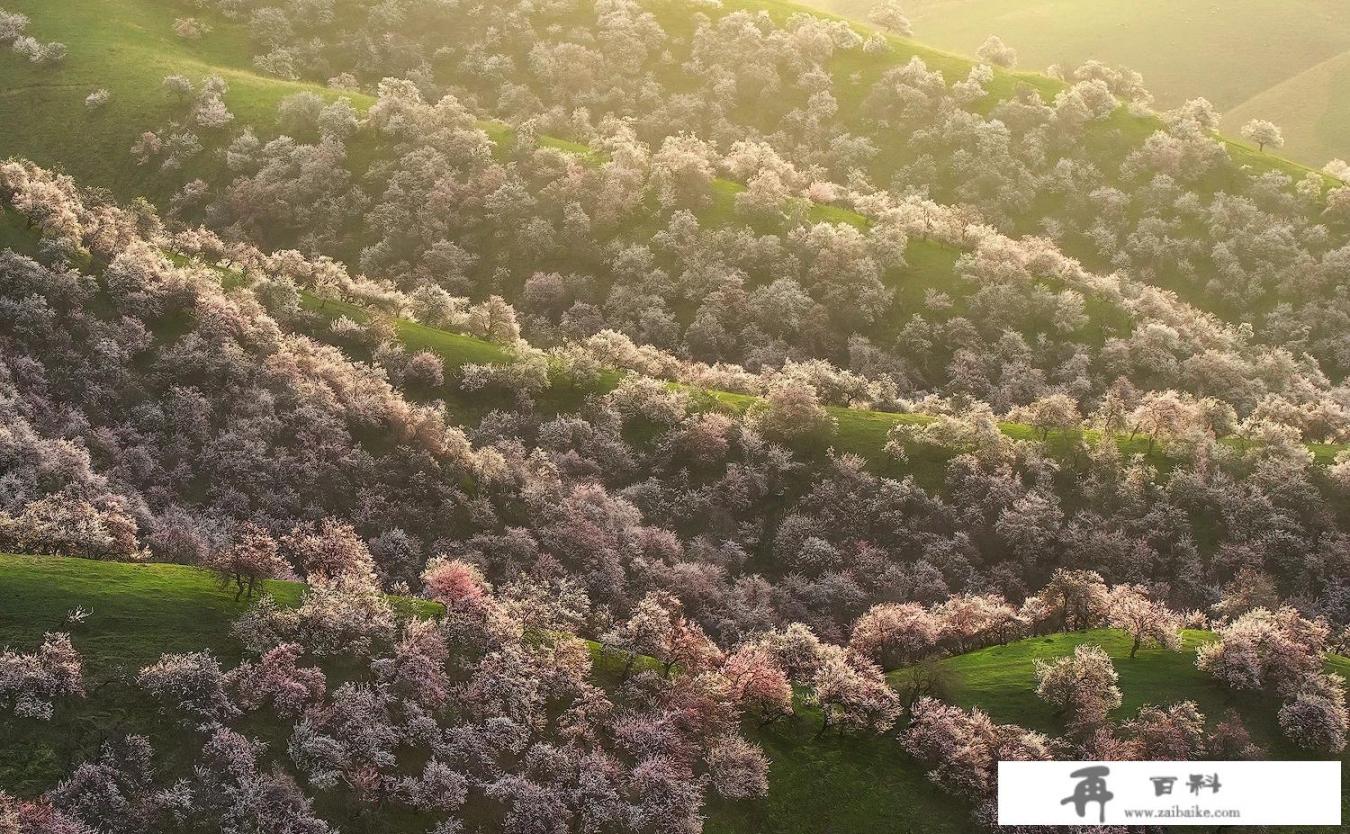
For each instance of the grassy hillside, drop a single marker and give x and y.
(128, 47)
(1272, 59)
(138, 612)
(829, 784)
(1002, 681)
(860, 431)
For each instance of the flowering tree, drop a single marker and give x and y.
(853, 695)
(964, 748)
(116, 792)
(889, 15)
(1146, 621)
(758, 682)
(192, 683)
(1082, 685)
(1078, 599)
(967, 620)
(1316, 718)
(996, 52)
(276, 678)
(1275, 651)
(790, 410)
(738, 768)
(894, 634)
(658, 627)
(456, 584)
(417, 668)
(29, 683)
(331, 553)
(1263, 133)
(1173, 732)
(251, 558)
(1229, 739)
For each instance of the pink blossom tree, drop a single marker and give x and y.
(1082, 685)
(277, 679)
(1316, 718)
(1173, 732)
(30, 683)
(191, 683)
(894, 634)
(251, 558)
(1264, 650)
(853, 695)
(1078, 599)
(1145, 620)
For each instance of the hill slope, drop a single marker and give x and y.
(138, 611)
(1271, 59)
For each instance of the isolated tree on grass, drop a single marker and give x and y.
(1145, 620)
(29, 683)
(1082, 685)
(1263, 133)
(995, 51)
(250, 559)
(888, 15)
(192, 683)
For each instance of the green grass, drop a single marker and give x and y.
(835, 784)
(127, 47)
(137, 613)
(1001, 680)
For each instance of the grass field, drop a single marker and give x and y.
(1282, 60)
(818, 785)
